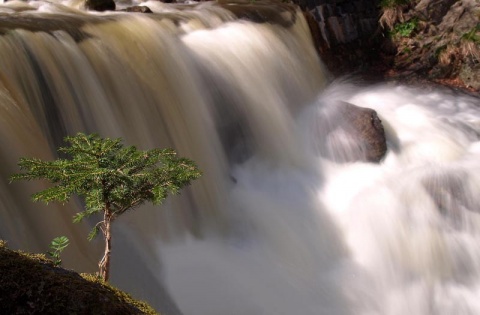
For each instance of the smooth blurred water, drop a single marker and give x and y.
(273, 227)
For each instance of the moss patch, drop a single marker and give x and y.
(31, 284)
(405, 29)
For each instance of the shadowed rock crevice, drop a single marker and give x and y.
(346, 33)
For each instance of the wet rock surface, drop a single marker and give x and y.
(100, 5)
(451, 194)
(69, 24)
(346, 33)
(265, 11)
(349, 133)
(138, 9)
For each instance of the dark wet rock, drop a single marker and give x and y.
(451, 194)
(100, 5)
(346, 33)
(236, 140)
(368, 127)
(348, 133)
(138, 9)
(69, 23)
(265, 11)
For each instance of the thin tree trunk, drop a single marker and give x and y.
(104, 264)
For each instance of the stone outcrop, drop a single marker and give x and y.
(346, 33)
(436, 40)
(31, 284)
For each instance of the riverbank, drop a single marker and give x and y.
(413, 41)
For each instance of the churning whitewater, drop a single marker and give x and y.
(273, 227)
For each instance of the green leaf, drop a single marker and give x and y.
(94, 200)
(59, 242)
(93, 233)
(56, 193)
(78, 217)
(159, 194)
(57, 245)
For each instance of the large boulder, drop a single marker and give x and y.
(348, 133)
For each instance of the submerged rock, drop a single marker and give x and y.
(100, 5)
(451, 193)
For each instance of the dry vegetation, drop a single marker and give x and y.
(439, 39)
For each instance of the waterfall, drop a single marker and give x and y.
(273, 226)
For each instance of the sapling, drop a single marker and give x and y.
(57, 246)
(110, 178)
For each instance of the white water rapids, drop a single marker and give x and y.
(278, 229)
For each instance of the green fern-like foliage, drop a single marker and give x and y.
(107, 174)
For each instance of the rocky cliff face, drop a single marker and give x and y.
(437, 40)
(346, 33)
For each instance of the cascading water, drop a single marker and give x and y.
(279, 228)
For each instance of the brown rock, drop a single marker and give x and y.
(139, 9)
(470, 75)
(348, 133)
(368, 127)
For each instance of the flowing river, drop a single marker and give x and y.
(273, 226)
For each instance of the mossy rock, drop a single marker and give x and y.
(31, 284)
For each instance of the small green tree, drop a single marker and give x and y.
(110, 178)
(57, 246)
